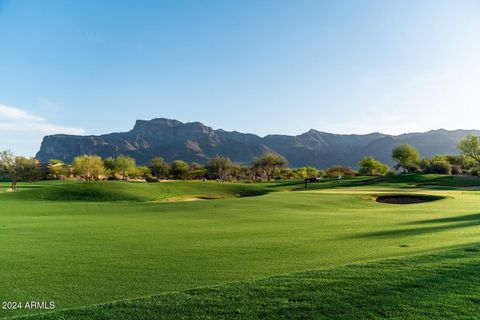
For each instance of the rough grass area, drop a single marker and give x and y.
(436, 286)
(407, 198)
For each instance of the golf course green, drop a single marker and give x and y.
(194, 249)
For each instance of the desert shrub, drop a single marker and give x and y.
(438, 167)
(340, 171)
(284, 173)
(441, 167)
(413, 168)
(242, 173)
(150, 178)
(457, 170)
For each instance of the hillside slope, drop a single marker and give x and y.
(196, 142)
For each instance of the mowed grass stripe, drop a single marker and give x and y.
(443, 285)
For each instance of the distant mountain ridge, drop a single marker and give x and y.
(196, 142)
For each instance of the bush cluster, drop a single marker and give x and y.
(264, 168)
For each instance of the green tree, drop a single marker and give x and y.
(159, 168)
(124, 165)
(19, 168)
(312, 172)
(141, 172)
(460, 163)
(109, 164)
(197, 171)
(242, 173)
(88, 167)
(370, 166)
(285, 173)
(300, 173)
(269, 162)
(220, 168)
(179, 169)
(470, 147)
(7, 161)
(406, 157)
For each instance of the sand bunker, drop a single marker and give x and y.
(406, 198)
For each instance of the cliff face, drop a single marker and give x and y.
(195, 142)
(170, 139)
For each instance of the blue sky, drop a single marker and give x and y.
(90, 67)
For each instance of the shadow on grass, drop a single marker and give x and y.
(450, 223)
(467, 217)
(23, 187)
(417, 231)
(252, 192)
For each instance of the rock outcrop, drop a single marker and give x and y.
(196, 142)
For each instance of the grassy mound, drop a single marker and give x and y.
(134, 191)
(407, 198)
(435, 286)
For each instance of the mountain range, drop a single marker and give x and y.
(196, 142)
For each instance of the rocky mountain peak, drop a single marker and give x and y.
(157, 124)
(196, 142)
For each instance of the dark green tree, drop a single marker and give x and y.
(406, 157)
(269, 162)
(179, 169)
(220, 168)
(124, 165)
(19, 168)
(159, 168)
(470, 147)
(370, 166)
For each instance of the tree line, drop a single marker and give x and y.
(264, 168)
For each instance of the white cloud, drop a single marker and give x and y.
(15, 120)
(14, 114)
(22, 131)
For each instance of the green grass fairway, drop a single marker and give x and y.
(80, 244)
(435, 286)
